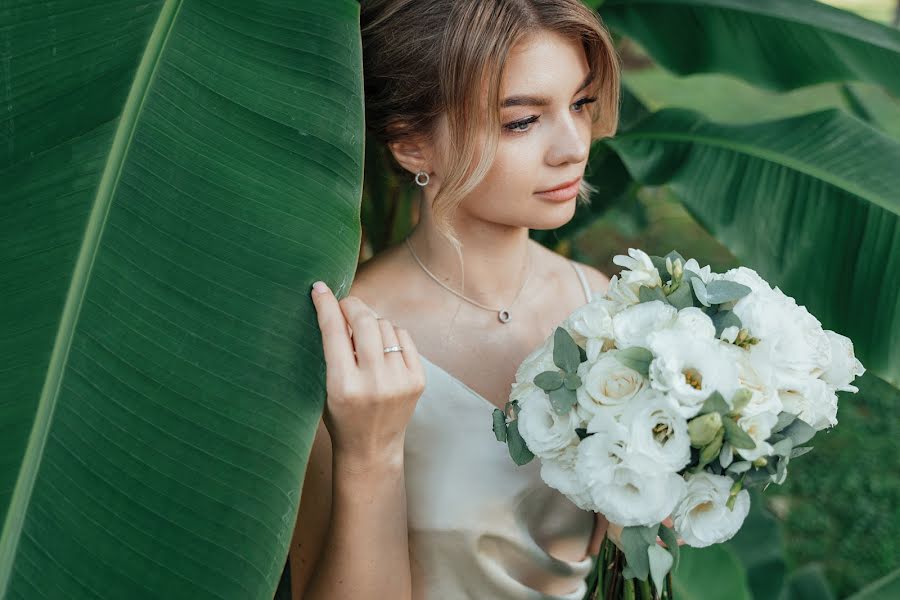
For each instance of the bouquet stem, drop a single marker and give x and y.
(608, 582)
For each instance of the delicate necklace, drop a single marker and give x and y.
(502, 313)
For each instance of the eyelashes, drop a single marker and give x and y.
(515, 126)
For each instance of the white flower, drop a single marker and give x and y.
(690, 368)
(693, 321)
(748, 277)
(620, 293)
(813, 400)
(632, 326)
(706, 274)
(607, 384)
(702, 517)
(559, 473)
(639, 269)
(539, 360)
(792, 339)
(844, 365)
(759, 428)
(755, 375)
(620, 486)
(657, 431)
(546, 433)
(591, 325)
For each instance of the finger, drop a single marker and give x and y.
(410, 353)
(336, 342)
(389, 338)
(366, 333)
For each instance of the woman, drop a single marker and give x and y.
(487, 105)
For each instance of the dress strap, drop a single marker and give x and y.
(582, 279)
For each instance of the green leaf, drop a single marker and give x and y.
(499, 425)
(660, 263)
(572, 381)
(565, 351)
(800, 451)
(660, 563)
(711, 573)
(720, 291)
(671, 541)
(809, 583)
(785, 45)
(799, 431)
(635, 358)
(715, 403)
(700, 291)
(886, 587)
(548, 380)
(649, 294)
(562, 400)
(784, 419)
(518, 450)
(175, 176)
(725, 319)
(681, 296)
(736, 436)
(635, 544)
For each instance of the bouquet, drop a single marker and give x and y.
(669, 397)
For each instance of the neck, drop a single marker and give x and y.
(495, 257)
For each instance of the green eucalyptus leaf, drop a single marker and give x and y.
(725, 319)
(736, 436)
(499, 425)
(572, 381)
(660, 263)
(799, 431)
(715, 402)
(518, 450)
(670, 539)
(784, 419)
(635, 358)
(673, 256)
(548, 380)
(800, 451)
(649, 294)
(582, 354)
(720, 291)
(565, 351)
(681, 296)
(635, 545)
(784, 447)
(562, 400)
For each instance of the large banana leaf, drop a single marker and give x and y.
(810, 202)
(777, 44)
(174, 176)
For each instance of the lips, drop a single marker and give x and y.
(561, 186)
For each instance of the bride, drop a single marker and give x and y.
(490, 108)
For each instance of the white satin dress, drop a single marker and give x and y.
(480, 526)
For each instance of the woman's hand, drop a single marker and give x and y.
(371, 394)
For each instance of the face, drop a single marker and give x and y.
(545, 136)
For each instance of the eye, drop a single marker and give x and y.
(586, 100)
(520, 126)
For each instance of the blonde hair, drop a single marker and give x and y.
(422, 58)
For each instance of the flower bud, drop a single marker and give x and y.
(703, 429)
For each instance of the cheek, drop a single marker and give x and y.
(515, 172)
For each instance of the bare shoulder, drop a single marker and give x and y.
(597, 280)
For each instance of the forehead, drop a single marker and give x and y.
(546, 62)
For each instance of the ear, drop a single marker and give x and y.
(412, 155)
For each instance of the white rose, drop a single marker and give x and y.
(546, 433)
(759, 428)
(633, 325)
(844, 366)
(621, 489)
(689, 368)
(657, 431)
(793, 339)
(702, 517)
(607, 384)
(694, 321)
(539, 360)
(559, 473)
(813, 400)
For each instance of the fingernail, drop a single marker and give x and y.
(320, 287)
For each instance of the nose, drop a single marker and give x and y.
(570, 142)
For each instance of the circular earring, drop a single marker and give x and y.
(420, 182)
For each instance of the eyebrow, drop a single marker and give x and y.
(540, 100)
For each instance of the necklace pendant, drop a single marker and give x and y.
(504, 316)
